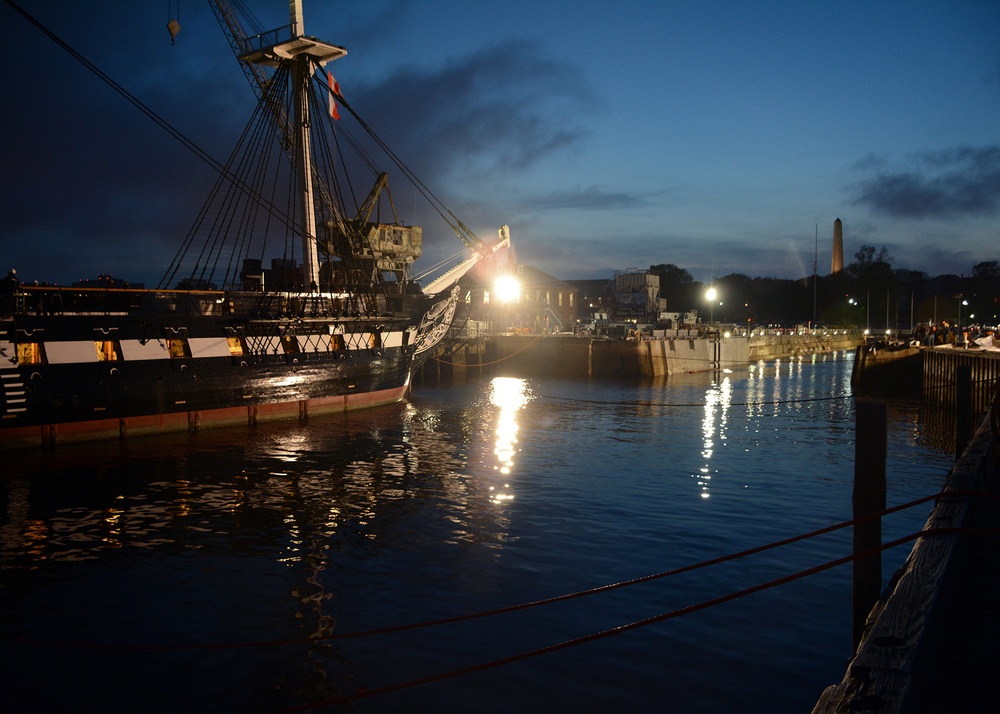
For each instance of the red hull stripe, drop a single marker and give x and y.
(50, 434)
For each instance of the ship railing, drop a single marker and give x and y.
(269, 38)
(56, 300)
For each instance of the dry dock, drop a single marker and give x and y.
(677, 353)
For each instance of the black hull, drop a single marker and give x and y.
(66, 393)
(160, 373)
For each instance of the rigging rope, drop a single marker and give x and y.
(464, 233)
(156, 118)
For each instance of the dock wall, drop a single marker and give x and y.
(574, 356)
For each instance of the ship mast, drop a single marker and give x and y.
(302, 56)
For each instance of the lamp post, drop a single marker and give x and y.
(710, 295)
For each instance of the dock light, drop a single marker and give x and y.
(710, 295)
(507, 288)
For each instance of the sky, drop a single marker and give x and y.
(722, 137)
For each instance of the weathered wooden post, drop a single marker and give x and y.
(963, 408)
(870, 446)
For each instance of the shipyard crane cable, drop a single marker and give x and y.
(637, 624)
(156, 118)
(939, 496)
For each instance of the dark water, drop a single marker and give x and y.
(134, 574)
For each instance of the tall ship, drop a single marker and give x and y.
(278, 304)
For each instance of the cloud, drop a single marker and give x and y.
(502, 109)
(955, 182)
(590, 198)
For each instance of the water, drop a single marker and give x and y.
(189, 572)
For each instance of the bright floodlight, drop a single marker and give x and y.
(711, 294)
(506, 288)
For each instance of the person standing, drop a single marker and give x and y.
(8, 290)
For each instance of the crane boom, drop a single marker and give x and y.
(365, 212)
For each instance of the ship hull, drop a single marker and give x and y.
(248, 415)
(65, 378)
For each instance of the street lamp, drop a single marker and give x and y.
(964, 302)
(854, 303)
(710, 295)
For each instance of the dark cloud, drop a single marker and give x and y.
(592, 197)
(870, 162)
(943, 184)
(99, 187)
(500, 110)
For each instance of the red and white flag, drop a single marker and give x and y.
(334, 90)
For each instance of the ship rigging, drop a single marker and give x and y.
(335, 322)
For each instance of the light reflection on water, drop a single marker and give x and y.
(713, 428)
(408, 513)
(509, 394)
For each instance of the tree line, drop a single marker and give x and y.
(867, 293)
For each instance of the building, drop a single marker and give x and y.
(595, 296)
(544, 304)
(637, 296)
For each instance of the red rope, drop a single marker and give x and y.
(640, 623)
(487, 364)
(527, 605)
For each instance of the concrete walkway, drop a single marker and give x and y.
(932, 642)
(960, 667)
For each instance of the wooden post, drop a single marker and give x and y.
(859, 356)
(869, 497)
(963, 408)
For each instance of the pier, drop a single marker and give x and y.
(928, 644)
(927, 372)
(941, 364)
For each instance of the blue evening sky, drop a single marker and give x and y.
(714, 135)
